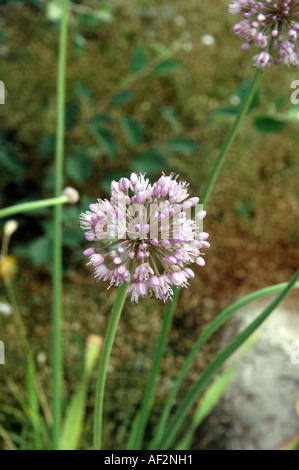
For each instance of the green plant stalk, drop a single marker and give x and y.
(214, 326)
(174, 427)
(243, 110)
(32, 206)
(58, 220)
(104, 362)
(139, 426)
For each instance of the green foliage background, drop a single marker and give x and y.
(144, 93)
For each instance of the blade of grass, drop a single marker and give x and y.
(34, 405)
(142, 417)
(7, 439)
(214, 326)
(213, 395)
(174, 427)
(31, 379)
(243, 110)
(74, 422)
(209, 401)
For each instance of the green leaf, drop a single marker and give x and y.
(74, 422)
(46, 146)
(213, 395)
(121, 98)
(133, 131)
(183, 145)
(206, 406)
(186, 404)
(108, 142)
(87, 20)
(138, 60)
(222, 114)
(78, 168)
(40, 250)
(72, 237)
(9, 164)
(149, 162)
(205, 336)
(280, 101)
(83, 92)
(73, 425)
(79, 42)
(166, 67)
(72, 114)
(268, 124)
(99, 121)
(170, 116)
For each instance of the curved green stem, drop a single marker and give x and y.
(58, 220)
(243, 110)
(222, 318)
(139, 425)
(174, 427)
(32, 206)
(105, 357)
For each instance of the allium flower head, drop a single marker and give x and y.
(272, 26)
(146, 235)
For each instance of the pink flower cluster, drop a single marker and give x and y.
(150, 236)
(272, 26)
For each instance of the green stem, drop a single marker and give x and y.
(58, 219)
(105, 357)
(139, 426)
(243, 110)
(222, 318)
(174, 427)
(32, 206)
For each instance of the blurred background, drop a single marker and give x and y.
(151, 86)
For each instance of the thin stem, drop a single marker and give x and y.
(214, 326)
(139, 426)
(32, 206)
(244, 107)
(58, 216)
(105, 357)
(243, 110)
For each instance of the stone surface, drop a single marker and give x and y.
(263, 394)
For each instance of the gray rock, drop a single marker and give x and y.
(263, 394)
